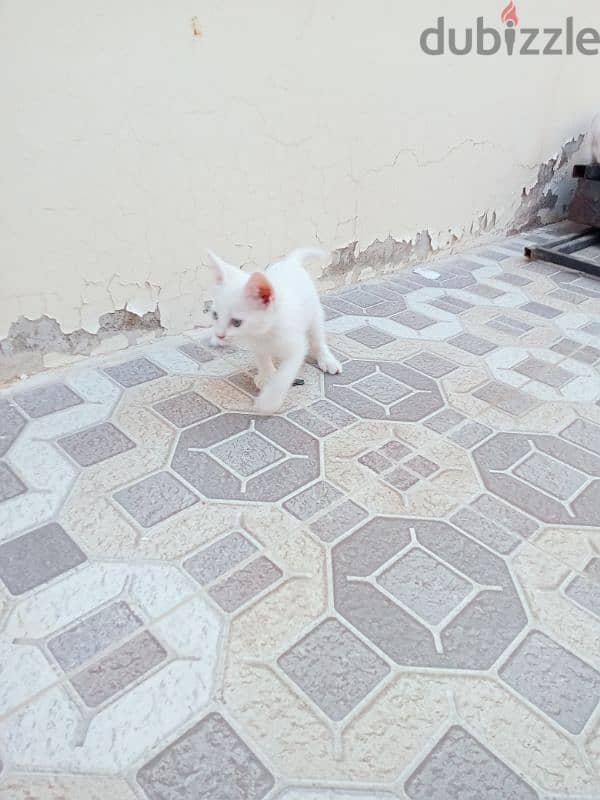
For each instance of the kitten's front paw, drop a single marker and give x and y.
(265, 404)
(328, 363)
(261, 378)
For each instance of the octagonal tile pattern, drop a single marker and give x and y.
(391, 589)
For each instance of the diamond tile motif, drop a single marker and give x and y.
(10, 484)
(96, 444)
(559, 683)
(46, 399)
(208, 760)
(461, 768)
(37, 557)
(287, 456)
(219, 557)
(248, 453)
(334, 668)
(186, 409)
(12, 423)
(545, 476)
(425, 585)
(83, 641)
(473, 639)
(134, 372)
(154, 499)
(380, 390)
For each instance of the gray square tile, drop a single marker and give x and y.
(382, 388)
(451, 304)
(96, 444)
(538, 370)
(514, 280)
(584, 433)
(334, 668)
(395, 450)
(245, 583)
(10, 484)
(316, 498)
(586, 592)
(375, 461)
(248, 453)
(209, 762)
(444, 420)
(12, 423)
(201, 355)
(95, 633)
(565, 347)
(485, 530)
(470, 434)
(414, 320)
(509, 325)
(219, 557)
(431, 364)
(553, 476)
(423, 466)
(460, 768)
(425, 585)
(370, 336)
(483, 290)
(339, 520)
(541, 310)
(333, 414)
(47, 399)
(134, 372)
(506, 398)
(154, 499)
(186, 409)
(587, 355)
(472, 344)
(118, 670)
(37, 557)
(313, 423)
(556, 681)
(402, 479)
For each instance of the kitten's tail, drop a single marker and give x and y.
(303, 254)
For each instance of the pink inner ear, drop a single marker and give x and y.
(259, 288)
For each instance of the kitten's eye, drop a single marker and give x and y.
(236, 323)
(215, 315)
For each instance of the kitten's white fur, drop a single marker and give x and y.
(281, 321)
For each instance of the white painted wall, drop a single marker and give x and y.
(129, 144)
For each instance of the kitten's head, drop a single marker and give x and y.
(242, 303)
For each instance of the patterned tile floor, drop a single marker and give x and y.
(391, 590)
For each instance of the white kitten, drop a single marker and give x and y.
(278, 315)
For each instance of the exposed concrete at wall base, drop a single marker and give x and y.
(549, 198)
(34, 345)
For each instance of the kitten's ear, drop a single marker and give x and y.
(220, 267)
(259, 289)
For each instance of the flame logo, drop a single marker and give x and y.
(509, 14)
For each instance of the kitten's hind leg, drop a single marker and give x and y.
(318, 346)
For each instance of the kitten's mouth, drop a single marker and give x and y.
(220, 337)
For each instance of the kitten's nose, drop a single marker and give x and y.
(220, 337)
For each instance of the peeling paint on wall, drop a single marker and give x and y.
(549, 198)
(32, 345)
